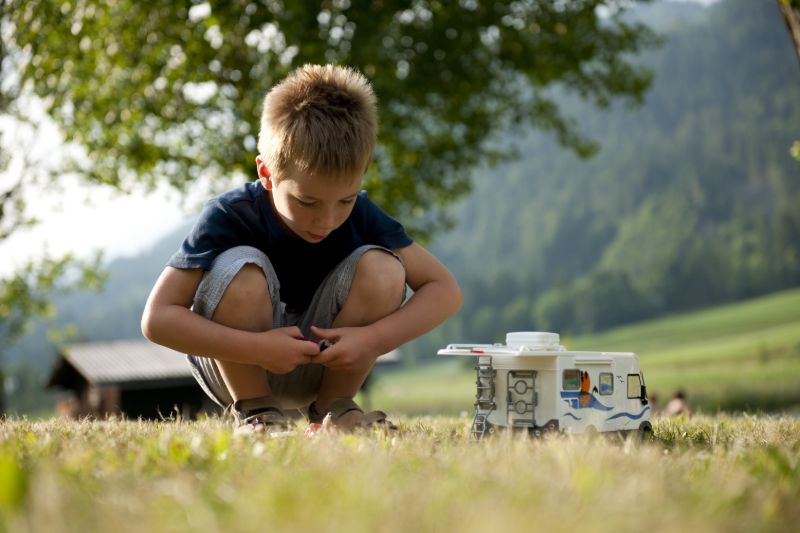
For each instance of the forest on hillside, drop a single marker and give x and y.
(691, 201)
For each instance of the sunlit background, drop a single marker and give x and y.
(678, 237)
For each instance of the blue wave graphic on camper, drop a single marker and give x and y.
(573, 416)
(629, 415)
(574, 400)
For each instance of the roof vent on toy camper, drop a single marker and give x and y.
(534, 341)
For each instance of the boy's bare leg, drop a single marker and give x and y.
(377, 291)
(245, 305)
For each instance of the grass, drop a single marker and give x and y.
(743, 356)
(705, 474)
(442, 387)
(755, 316)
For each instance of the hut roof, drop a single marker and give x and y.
(130, 363)
(119, 362)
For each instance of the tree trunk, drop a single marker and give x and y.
(791, 15)
(2, 392)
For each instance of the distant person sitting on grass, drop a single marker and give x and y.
(677, 406)
(289, 287)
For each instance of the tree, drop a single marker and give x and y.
(165, 91)
(790, 9)
(28, 291)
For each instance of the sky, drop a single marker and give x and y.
(81, 218)
(75, 217)
(89, 220)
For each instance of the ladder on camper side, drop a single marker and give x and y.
(484, 398)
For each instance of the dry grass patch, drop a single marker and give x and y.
(712, 474)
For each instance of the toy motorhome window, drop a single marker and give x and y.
(606, 383)
(634, 386)
(572, 379)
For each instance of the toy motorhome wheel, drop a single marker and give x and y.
(645, 430)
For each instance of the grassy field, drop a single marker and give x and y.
(738, 356)
(703, 474)
(712, 472)
(743, 356)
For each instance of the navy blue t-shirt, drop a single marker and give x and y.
(244, 217)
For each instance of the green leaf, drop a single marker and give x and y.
(13, 481)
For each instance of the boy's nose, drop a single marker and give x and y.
(326, 220)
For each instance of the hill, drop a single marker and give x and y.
(744, 355)
(691, 201)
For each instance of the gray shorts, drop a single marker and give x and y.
(299, 387)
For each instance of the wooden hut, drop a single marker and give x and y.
(132, 378)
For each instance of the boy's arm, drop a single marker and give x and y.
(168, 320)
(436, 297)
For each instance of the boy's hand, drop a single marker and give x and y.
(283, 350)
(349, 348)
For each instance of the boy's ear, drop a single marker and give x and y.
(264, 175)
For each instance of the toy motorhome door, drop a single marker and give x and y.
(535, 384)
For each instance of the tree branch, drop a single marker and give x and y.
(790, 9)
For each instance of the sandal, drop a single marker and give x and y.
(378, 419)
(257, 415)
(344, 413)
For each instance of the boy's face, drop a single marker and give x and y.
(310, 207)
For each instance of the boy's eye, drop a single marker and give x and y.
(348, 201)
(305, 204)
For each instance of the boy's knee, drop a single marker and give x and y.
(248, 288)
(381, 275)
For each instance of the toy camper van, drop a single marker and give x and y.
(533, 383)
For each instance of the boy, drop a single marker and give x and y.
(288, 288)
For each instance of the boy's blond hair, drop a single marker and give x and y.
(320, 120)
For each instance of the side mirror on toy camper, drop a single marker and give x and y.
(645, 401)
